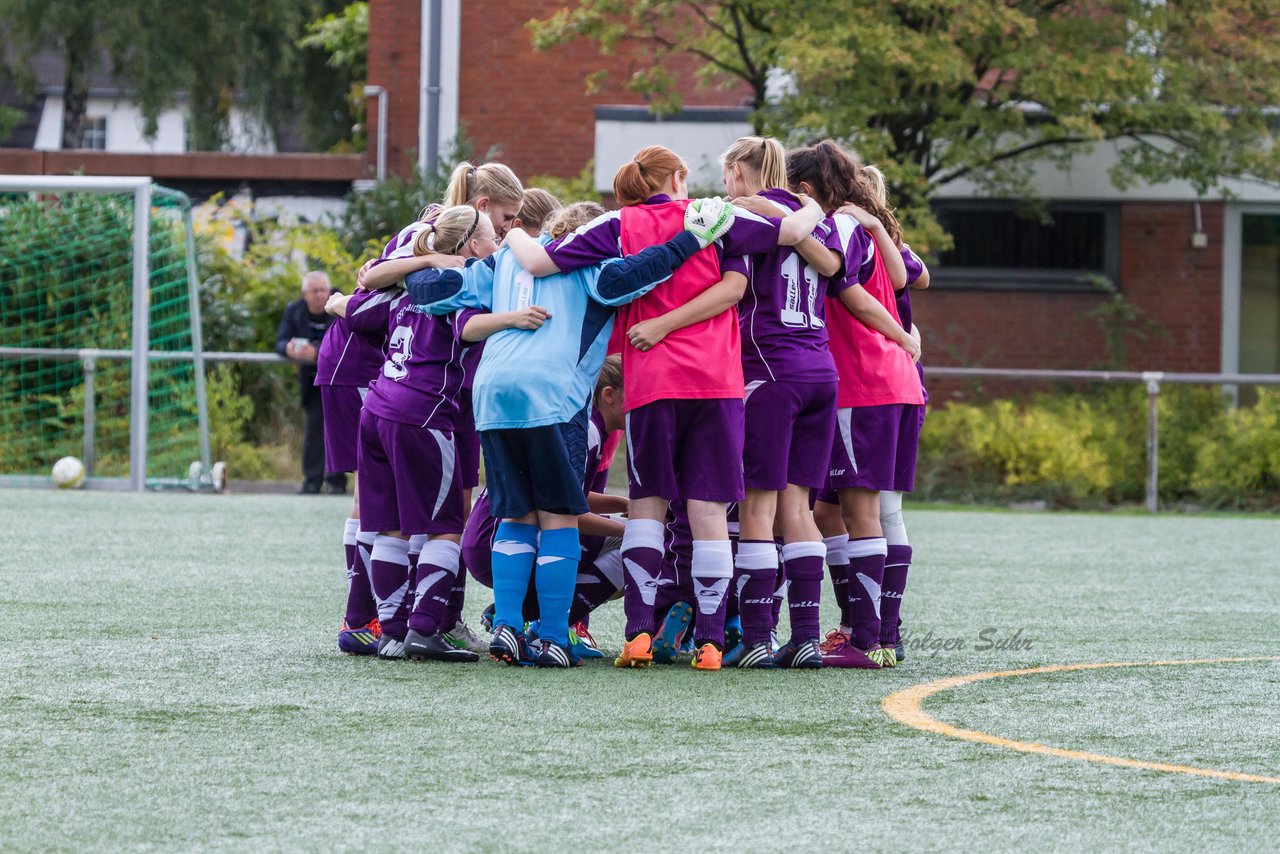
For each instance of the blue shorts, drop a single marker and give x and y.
(536, 468)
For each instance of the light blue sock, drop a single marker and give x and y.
(514, 548)
(558, 557)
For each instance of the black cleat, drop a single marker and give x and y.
(420, 647)
(799, 656)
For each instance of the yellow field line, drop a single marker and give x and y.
(905, 707)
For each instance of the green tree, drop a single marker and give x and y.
(212, 55)
(79, 32)
(344, 39)
(934, 91)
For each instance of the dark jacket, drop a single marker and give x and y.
(297, 322)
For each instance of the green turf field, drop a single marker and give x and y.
(169, 682)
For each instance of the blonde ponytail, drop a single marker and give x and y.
(492, 180)
(764, 154)
(449, 233)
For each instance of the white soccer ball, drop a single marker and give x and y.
(68, 473)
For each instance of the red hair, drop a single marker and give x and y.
(645, 174)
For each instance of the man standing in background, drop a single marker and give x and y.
(301, 329)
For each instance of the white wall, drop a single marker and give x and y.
(125, 129)
(1086, 178)
(699, 143)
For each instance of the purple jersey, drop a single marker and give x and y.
(422, 375)
(858, 247)
(782, 314)
(401, 246)
(601, 239)
(481, 526)
(355, 346)
(915, 269)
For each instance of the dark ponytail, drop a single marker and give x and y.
(838, 176)
(825, 167)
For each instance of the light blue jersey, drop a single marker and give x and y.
(533, 378)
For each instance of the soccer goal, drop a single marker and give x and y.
(100, 350)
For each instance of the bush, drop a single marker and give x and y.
(580, 188)
(375, 215)
(1241, 461)
(1088, 449)
(255, 416)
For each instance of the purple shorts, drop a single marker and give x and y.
(690, 449)
(342, 404)
(786, 425)
(478, 556)
(477, 540)
(468, 441)
(875, 448)
(409, 480)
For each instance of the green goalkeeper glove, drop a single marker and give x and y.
(708, 220)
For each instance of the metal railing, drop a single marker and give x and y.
(1152, 379)
(89, 358)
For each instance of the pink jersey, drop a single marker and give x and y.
(874, 371)
(700, 361)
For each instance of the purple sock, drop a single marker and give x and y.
(361, 607)
(597, 581)
(803, 563)
(457, 596)
(758, 567)
(642, 549)
(838, 565)
(733, 607)
(895, 583)
(712, 570)
(866, 576)
(437, 569)
(389, 580)
(670, 587)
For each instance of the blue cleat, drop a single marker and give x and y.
(359, 641)
(582, 644)
(511, 647)
(799, 656)
(732, 632)
(555, 655)
(758, 657)
(486, 619)
(666, 644)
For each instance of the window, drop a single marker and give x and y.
(95, 133)
(1004, 246)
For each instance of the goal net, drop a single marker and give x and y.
(99, 331)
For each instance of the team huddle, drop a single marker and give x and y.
(758, 355)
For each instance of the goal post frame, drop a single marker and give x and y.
(141, 189)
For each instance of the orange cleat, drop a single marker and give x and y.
(707, 657)
(637, 652)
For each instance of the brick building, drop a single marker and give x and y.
(1203, 271)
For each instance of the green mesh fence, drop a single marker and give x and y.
(66, 282)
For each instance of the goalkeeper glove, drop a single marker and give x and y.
(708, 220)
